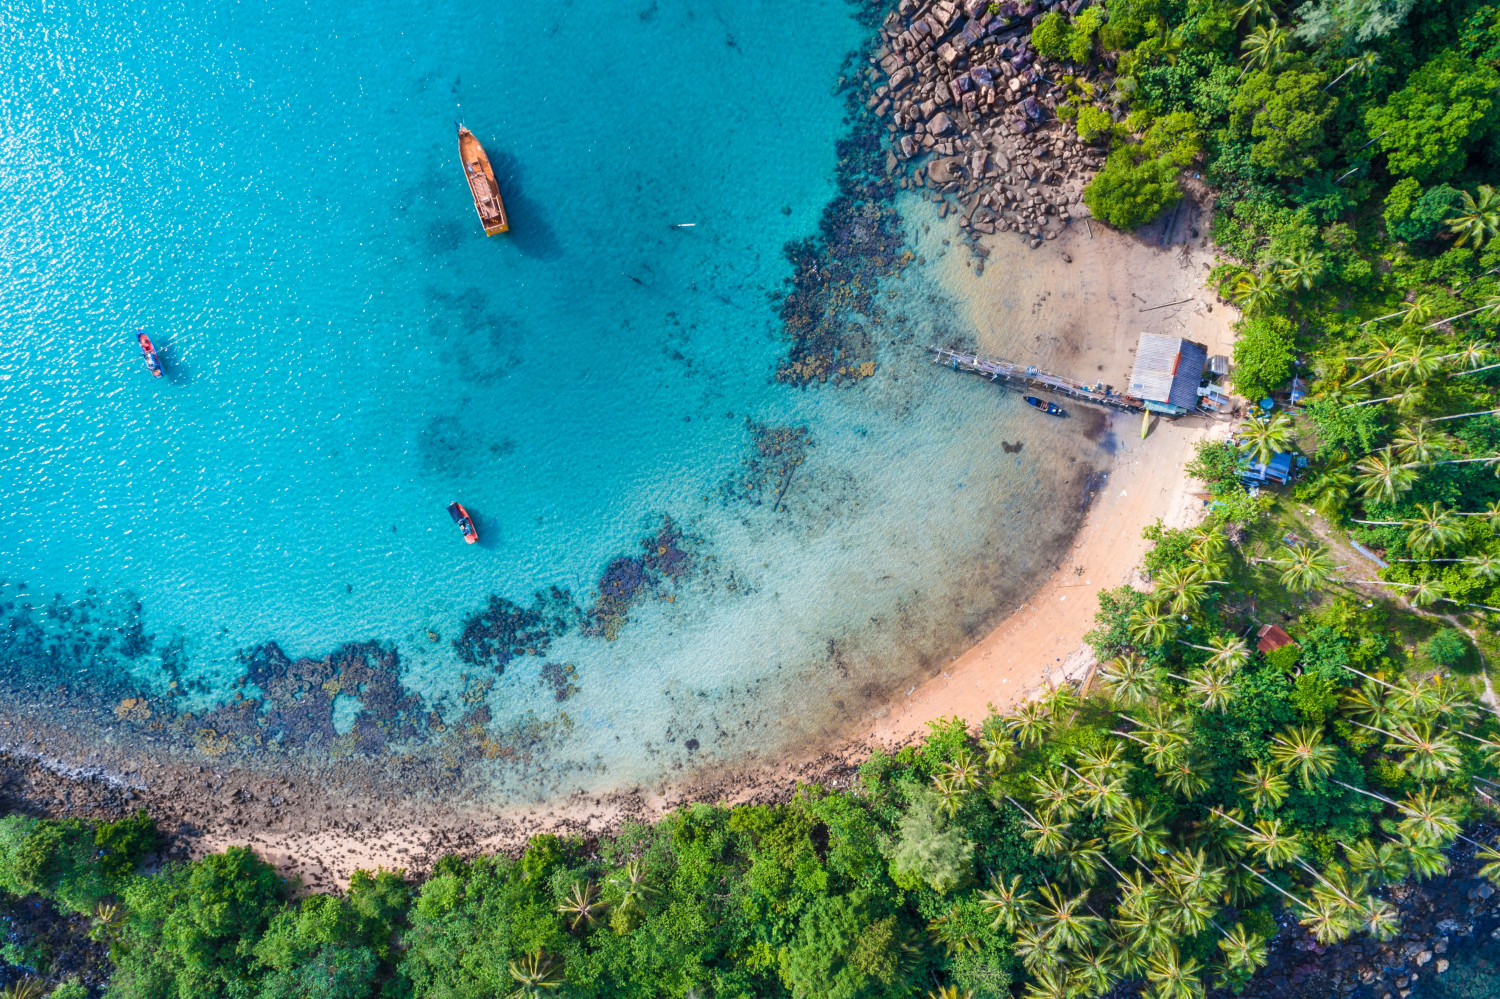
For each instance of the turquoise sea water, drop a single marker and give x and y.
(272, 192)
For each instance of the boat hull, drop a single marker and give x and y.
(482, 186)
(465, 523)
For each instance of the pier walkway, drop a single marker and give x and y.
(1016, 376)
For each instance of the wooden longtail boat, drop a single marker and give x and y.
(464, 521)
(482, 184)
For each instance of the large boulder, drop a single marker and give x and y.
(940, 124)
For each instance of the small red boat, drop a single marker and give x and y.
(149, 352)
(464, 521)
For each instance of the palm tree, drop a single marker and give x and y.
(1265, 788)
(1093, 971)
(1301, 748)
(1381, 864)
(1264, 47)
(24, 988)
(1429, 756)
(1383, 476)
(1428, 591)
(1136, 830)
(1101, 795)
(1490, 870)
(1307, 567)
(1107, 762)
(1228, 652)
(1035, 948)
(1061, 699)
(1370, 704)
(583, 904)
(948, 929)
(1425, 860)
(1479, 222)
(1030, 723)
(1006, 903)
(1049, 836)
(1054, 794)
(1333, 492)
(998, 747)
(1129, 680)
(1490, 304)
(1380, 919)
(1151, 624)
(1360, 65)
(1212, 687)
(1256, 11)
(1184, 778)
(1433, 528)
(1328, 921)
(1171, 977)
(1420, 443)
(1062, 922)
(1427, 820)
(1255, 293)
(1263, 438)
(1301, 270)
(1273, 845)
(1187, 589)
(107, 923)
(631, 883)
(1418, 362)
(534, 972)
(963, 771)
(1047, 981)
(1081, 862)
(1243, 952)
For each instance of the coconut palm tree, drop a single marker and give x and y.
(630, 881)
(533, 973)
(1301, 748)
(1061, 700)
(1255, 11)
(1306, 567)
(1172, 977)
(1186, 589)
(1433, 528)
(1151, 624)
(1054, 794)
(1370, 704)
(1030, 723)
(24, 988)
(1136, 830)
(1380, 919)
(1093, 971)
(1048, 835)
(1360, 65)
(1264, 47)
(1272, 844)
(583, 904)
(1328, 920)
(1420, 443)
(1229, 653)
(1301, 270)
(1425, 860)
(1212, 687)
(1265, 787)
(1061, 920)
(1479, 221)
(1081, 862)
(1383, 476)
(108, 921)
(1427, 819)
(963, 771)
(1107, 762)
(1333, 492)
(1047, 982)
(1255, 293)
(1130, 680)
(1184, 777)
(1491, 869)
(1421, 594)
(1380, 863)
(1101, 795)
(1006, 903)
(998, 747)
(1262, 438)
(1428, 755)
(1036, 949)
(949, 930)
(1417, 363)
(1243, 951)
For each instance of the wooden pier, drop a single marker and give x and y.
(1018, 377)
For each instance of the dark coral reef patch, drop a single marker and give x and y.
(630, 578)
(504, 629)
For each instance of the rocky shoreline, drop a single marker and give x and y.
(971, 110)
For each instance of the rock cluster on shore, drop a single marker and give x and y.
(971, 109)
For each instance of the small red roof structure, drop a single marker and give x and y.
(1272, 638)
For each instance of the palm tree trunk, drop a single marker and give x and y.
(1473, 371)
(1459, 316)
(1460, 416)
(1378, 523)
(1273, 884)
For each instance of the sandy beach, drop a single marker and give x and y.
(1076, 306)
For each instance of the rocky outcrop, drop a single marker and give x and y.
(971, 113)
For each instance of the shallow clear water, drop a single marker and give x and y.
(272, 192)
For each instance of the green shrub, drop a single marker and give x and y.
(1050, 35)
(1412, 214)
(1448, 648)
(1093, 123)
(1264, 356)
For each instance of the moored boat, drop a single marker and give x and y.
(148, 351)
(464, 521)
(482, 184)
(1050, 408)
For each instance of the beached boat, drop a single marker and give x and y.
(149, 352)
(1050, 408)
(464, 521)
(482, 184)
